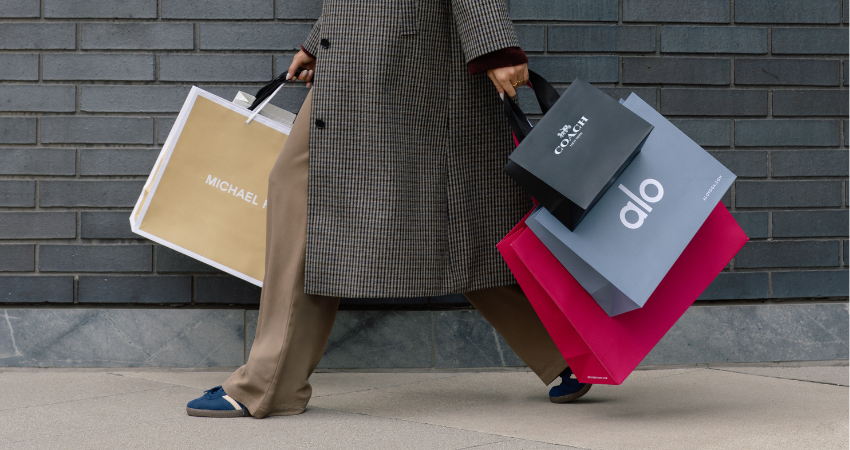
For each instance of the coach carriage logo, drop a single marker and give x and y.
(641, 215)
(570, 135)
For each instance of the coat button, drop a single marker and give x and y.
(325, 43)
(320, 123)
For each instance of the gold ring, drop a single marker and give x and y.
(514, 84)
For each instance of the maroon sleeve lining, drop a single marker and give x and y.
(303, 49)
(506, 57)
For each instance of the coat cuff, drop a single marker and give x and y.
(506, 57)
(311, 45)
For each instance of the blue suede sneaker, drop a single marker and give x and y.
(216, 403)
(569, 389)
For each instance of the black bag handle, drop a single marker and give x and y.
(546, 95)
(272, 86)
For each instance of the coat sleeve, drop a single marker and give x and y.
(311, 45)
(484, 26)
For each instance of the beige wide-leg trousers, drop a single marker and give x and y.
(293, 327)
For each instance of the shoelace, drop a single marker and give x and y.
(212, 393)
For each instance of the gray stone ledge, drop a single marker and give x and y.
(398, 340)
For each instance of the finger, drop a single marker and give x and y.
(525, 75)
(292, 68)
(309, 77)
(496, 82)
(507, 84)
(509, 89)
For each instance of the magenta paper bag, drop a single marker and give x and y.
(602, 349)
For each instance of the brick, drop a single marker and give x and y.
(18, 130)
(38, 98)
(135, 289)
(106, 225)
(194, 68)
(713, 40)
(92, 66)
(20, 8)
(601, 38)
(811, 102)
(845, 12)
(138, 36)
(18, 67)
(737, 286)
(163, 127)
(572, 10)
(36, 289)
(38, 36)
(785, 133)
(791, 194)
(565, 69)
(785, 72)
(97, 130)
(706, 132)
(846, 252)
(38, 161)
(38, 225)
(170, 261)
(713, 102)
(86, 193)
(94, 258)
(702, 11)
(670, 70)
(817, 223)
(817, 41)
(17, 193)
(217, 9)
(17, 258)
(299, 9)
(727, 199)
(106, 9)
(225, 290)
(776, 254)
(809, 163)
(532, 38)
(810, 284)
(133, 98)
(123, 161)
(754, 223)
(751, 164)
(253, 36)
(787, 11)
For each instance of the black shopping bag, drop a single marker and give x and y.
(583, 143)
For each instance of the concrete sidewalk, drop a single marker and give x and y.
(700, 408)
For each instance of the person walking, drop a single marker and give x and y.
(390, 185)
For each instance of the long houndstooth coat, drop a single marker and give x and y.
(407, 197)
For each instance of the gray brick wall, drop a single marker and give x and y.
(89, 88)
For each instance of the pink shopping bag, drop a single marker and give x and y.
(602, 349)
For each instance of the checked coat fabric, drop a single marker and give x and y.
(406, 196)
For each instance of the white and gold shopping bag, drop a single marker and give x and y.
(206, 196)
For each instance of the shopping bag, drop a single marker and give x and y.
(574, 154)
(206, 196)
(602, 349)
(637, 230)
